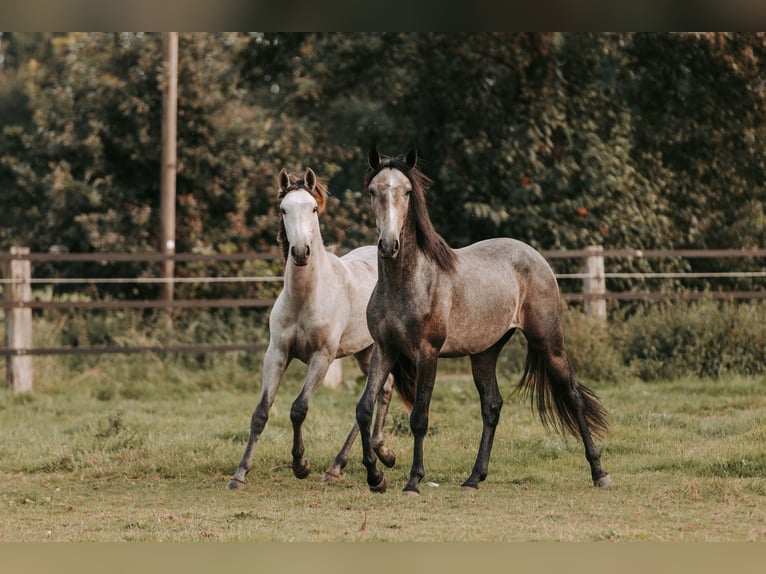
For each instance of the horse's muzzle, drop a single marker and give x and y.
(387, 248)
(301, 255)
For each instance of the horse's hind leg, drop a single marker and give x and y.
(274, 364)
(586, 408)
(560, 396)
(483, 367)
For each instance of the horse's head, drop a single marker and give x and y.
(390, 186)
(302, 201)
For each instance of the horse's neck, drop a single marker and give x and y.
(411, 269)
(303, 282)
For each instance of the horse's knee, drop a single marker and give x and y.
(258, 420)
(363, 415)
(298, 412)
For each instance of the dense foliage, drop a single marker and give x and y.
(562, 140)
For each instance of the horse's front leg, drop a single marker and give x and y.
(380, 367)
(317, 369)
(426, 378)
(274, 364)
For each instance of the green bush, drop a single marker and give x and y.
(707, 339)
(661, 341)
(652, 341)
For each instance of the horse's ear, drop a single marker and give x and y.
(412, 157)
(310, 179)
(373, 157)
(283, 179)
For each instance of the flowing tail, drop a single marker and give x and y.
(404, 381)
(555, 398)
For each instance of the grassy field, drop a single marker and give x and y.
(139, 450)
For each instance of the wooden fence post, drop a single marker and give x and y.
(594, 286)
(20, 370)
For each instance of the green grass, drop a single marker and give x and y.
(141, 450)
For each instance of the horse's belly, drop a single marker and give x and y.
(354, 341)
(463, 341)
(476, 325)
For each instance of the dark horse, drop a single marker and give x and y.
(432, 301)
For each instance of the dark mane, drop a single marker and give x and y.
(319, 192)
(429, 241)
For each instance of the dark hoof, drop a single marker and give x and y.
(381, 487)
(330, 476)
(603, 482)
(236, 484)
(302, 471)
(386, 456)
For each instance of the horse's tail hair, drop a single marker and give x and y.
(404, 381)
(551, 397)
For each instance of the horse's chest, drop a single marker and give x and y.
(308, 336)
(407, 321)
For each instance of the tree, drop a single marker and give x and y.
(561, 140)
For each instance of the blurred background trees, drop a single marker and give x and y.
(561, 140)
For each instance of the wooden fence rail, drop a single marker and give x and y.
(17, 303)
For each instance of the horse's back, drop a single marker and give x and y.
(500, 256)
(361, 269)
(363, 257)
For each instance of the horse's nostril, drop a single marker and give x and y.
(396, 245)
(308, 251)
(380, 245)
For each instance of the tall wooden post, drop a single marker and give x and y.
(594, 286)
(169, 155)
(20, 368)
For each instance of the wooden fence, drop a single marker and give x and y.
(17, 303)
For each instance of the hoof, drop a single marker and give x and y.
(330, 476)
(236, 484)
(302, 471)
(381, 487)
(407, 492)
(603, 482)
(386, 456)
(469, 488)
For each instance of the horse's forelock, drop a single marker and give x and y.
(319, 191)
(429, 241)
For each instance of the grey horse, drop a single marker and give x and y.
(431, 301)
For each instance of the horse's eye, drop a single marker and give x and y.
(282, 211)
(372, 193)
(316, 208)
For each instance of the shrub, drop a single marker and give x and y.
(705, 338)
